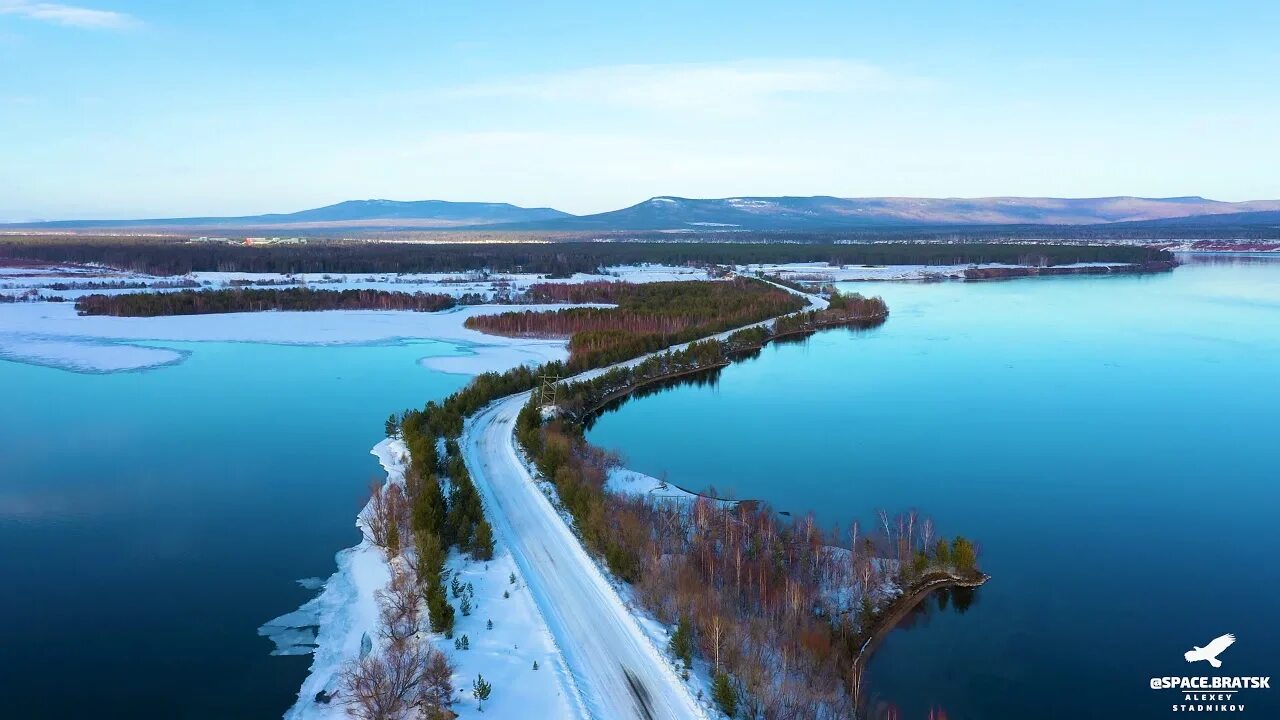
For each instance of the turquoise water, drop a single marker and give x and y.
(1109, 442)
(151, 521)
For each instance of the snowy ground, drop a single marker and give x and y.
(343, 620)
(16, 281)
(53, 334)
(629, 482)
(823, 272)
(619, 667)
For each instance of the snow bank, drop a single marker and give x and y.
(341, 624)
(629, 482)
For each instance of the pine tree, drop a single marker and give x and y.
(393, 538)
(393, 425)
(725, 694)
(431, 557)
(483, 549)
(868, 612)
(681, 644)
(489, 624)
(943, 552)
(919, 562)
(966, 556)
(428, 510)
(480, 690)
(439, 611)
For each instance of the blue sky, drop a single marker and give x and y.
(119, 108)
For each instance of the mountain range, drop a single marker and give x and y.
(723, 214)
(358, 214)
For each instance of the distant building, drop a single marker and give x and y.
(274, 241)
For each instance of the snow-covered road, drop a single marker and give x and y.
(617, 670)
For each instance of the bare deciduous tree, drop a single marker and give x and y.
(400, 608)
(386, 517)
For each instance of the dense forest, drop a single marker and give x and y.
(204, 302)
(1148, 266)
(851, 309)
(648, 316)
(173, 257)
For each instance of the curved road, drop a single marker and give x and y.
(617, 671)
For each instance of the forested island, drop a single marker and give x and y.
(205, 302)
(997, 273)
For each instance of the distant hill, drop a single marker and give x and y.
(372, 214)
(822, 213)
(1260, 218)
(668, 213)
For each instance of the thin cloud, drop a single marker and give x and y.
(727, 86)
(69, 15)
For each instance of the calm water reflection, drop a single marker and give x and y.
(1110, 442)
(151, 521)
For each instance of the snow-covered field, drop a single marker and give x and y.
(16, 281)
(342, 621)
(52, 334)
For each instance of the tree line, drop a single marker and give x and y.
(842, 309)
(648, 316)
(169, 256)
(204, 302)
(435, 510)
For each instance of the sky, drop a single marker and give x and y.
(153, 108)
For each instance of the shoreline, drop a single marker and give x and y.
(592, 413)
(345, 621)
(898, 609)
